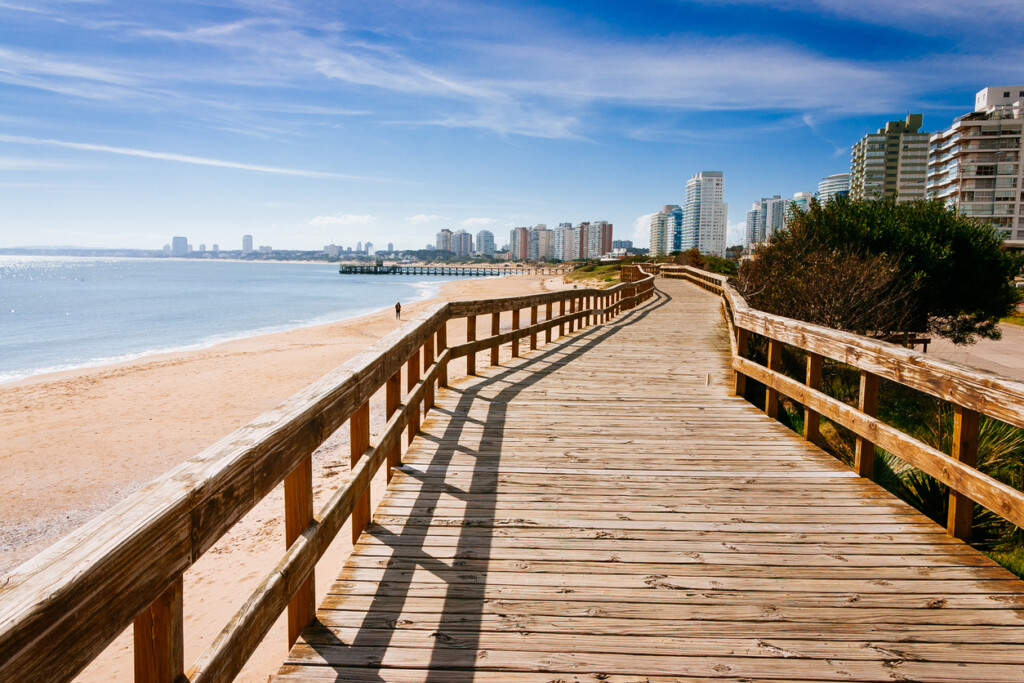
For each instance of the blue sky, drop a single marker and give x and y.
(125, 123)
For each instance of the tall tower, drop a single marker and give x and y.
(891, 163)
(246, 244)
(975, 165)
(705, 215)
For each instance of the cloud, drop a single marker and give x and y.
(343, 220)
(642, 230)
(478, 222)
(181, 158)
(421, 218)
(26, 164)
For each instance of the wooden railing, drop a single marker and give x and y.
(971, 392)
(62, 608)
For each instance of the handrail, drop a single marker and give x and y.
(972, 392)
(59, 610)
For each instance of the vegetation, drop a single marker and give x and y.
(595, 275)
(942, 272)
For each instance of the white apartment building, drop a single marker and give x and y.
(765, 219)
(541, 243)
(566, 243)
(801, 202)
(833, 185)
(462, 243)
(705, 215)
(891, 163)
(975, 165)
(444, 240)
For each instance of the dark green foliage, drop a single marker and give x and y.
(945, 273)
(722, 266)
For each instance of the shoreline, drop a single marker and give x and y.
(78, 441)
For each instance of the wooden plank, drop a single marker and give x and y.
(771, 398)
(966, 425)
(359, 442)
(158, 637)
(470, 338)
(392, 401)
(495, 329)
(812, 430)
(298, 513)
(867, 403)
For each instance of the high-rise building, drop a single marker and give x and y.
(755, 226)
(519, 244)
(462, 243)
(891, 163)
(246, 244)
(541, 243)
(705, 215)
(837, 184)
(444, 240)
(801, 202)
(622, 244)
(666, 230)
(369, 248)
(391, 247)
(179, 246)
(975, 165)
(605, 230)
(485, 243)
(565, 246)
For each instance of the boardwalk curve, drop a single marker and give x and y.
(605, 509)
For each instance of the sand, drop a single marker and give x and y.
(76, 442)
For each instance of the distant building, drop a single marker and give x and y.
(444, 240)
(801, 202)
(519, 244)
(667, 230)
(765, 218)
(891, 163)
(485, 243)
(332, 250)
(265, 249)
(179, 246)
(246, 244)
(835, 185)
(462, 243)
(368, 247)
(705, 214)
(565, 243)
(391, 247)
(202, 248)
(541, 243)
(167, 250)
(975, 165)
(604, 228)
(216, 249)
(622, 244)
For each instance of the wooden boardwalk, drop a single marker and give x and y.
(605, 510)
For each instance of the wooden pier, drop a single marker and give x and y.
(596, 501)
(454, 271)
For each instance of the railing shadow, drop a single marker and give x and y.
(455, 632)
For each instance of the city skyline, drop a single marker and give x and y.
(389, 121)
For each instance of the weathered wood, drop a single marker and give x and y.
(359, 442)
(966, 425)
(495, 330)
(740, 382)
(428, 360)
(158, 637)
(533, 323)
(298, 513)
(392, 402)
(561, 314)
(1004, 500)
(515, 328)
(470, 338)
(867, 403)
(548, 307)
(412, 378)
(811, 419)
(442, 344)
(771, 396)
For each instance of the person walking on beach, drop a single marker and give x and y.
(398, 310)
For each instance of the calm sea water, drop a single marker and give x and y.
(58, 313)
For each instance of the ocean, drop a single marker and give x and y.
(61, 313)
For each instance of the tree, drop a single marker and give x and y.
(910, 267)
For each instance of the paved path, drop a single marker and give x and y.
(605, 510)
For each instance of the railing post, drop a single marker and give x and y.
(966, 426)
(428, 360)
(533, 335)
(867, 403)
(515, 328)
(771, 396)
(442, 344)
(741, 350)
(358, 443)
(561, 313)
(471, 336)
(412, 378)
(547, 316)
(159, 637)
(298, 513)
(811, 418)
(392, 400)
(495, 330)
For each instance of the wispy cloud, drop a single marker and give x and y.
(180, 158)
(478, 222)
(641, 233)
(341, 220)
(30, 164)
(421, 218)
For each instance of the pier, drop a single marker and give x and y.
(457, 271)
(578, 490)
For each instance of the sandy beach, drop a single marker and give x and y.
(76, 442)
